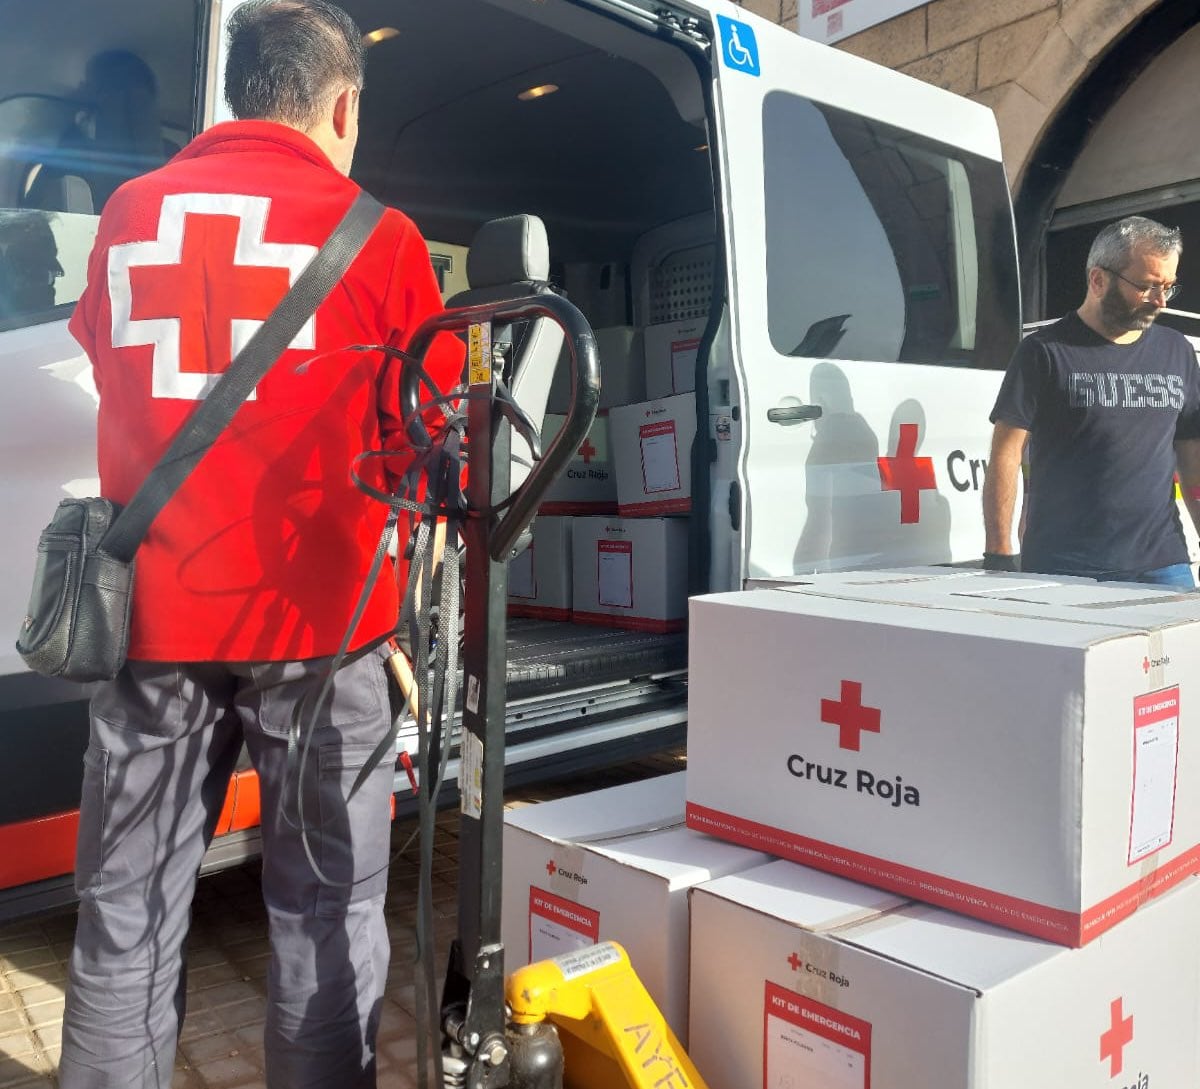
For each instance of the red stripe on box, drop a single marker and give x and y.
(539, 612)
(631, 623)
(1052, 924)
(1100, 917)
(561, 507)
(656, 507)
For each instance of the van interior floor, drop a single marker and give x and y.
(545, 655)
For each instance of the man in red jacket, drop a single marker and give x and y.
(248, 578)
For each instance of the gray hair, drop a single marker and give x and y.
(287, 57)
(1114, 245)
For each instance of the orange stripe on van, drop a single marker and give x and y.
(247, 811)
(37, 849)
(45, 847)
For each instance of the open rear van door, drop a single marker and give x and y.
(874, 305)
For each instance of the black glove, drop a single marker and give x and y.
(1001, 561)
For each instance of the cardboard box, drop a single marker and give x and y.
(589, 483)
(652, 452)
(616, 865)
(630, 573)
(671, 350)
(1023, 761)
(539, 579)
(804, 980)
(622, 370)
(1166, 615)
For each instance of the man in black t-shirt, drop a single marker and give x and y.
(1109, 404)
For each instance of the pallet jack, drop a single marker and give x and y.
(582, 1020)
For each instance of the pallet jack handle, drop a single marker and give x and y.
(584, 370)
(475, 1045)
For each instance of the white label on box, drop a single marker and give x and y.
(557, 926)
(808, 1045)
(660, 456)
(1155, 762)
(614, 573)
(683, 363)
(521, 579)
(587, 960)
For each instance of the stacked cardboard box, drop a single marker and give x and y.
(1007, 748)
(539, 578)
(1002, 764)
(613, 864)
(631, 571)
(653, 444)
(635, 461)
(588, 485)
(671, 351)
(802, 979)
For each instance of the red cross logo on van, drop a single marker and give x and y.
(1114, 1039)
(850, 716)
(907, 474)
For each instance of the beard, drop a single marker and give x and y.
(1119, 315)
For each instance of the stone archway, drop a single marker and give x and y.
(1092, 55)
(1069, 49)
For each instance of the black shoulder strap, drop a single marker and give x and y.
(254, 360)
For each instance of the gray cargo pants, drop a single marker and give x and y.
(164, 741)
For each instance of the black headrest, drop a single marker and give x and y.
(507, 251)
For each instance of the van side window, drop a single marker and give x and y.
(91, 95)
(882, 244)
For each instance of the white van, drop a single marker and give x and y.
(839, 237)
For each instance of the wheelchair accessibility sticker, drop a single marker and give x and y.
(738, 46)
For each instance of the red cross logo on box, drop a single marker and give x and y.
(587, 451)
(907, 474)
(795, 961)
(1114, 1039)
(197, 292)
(850, 716)
(551, 868)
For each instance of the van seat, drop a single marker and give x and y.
(509, 258)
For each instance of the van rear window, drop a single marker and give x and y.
(882, 244)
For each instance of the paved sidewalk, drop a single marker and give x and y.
(221, 1043)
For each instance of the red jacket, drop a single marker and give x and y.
(262, 553)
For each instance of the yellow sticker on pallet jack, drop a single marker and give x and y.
(479, 353)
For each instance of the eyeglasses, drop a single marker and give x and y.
(1168, 291)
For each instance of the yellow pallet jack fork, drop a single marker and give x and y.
(611, 1032)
